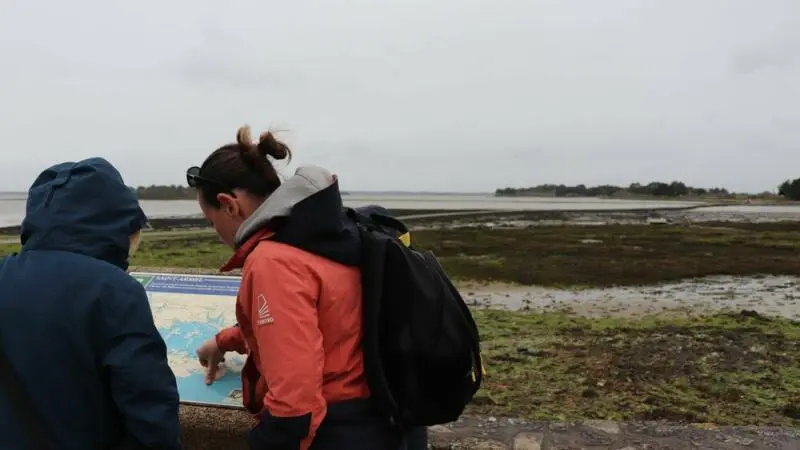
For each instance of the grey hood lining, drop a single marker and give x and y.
(306, 181)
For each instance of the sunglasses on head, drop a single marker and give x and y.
(193, 178)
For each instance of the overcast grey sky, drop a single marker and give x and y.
(451, 95)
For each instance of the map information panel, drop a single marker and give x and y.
(188, 310)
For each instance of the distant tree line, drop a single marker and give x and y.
(163, 192)
(790, 189)
(656, 189)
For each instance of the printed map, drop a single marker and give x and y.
(188, 310)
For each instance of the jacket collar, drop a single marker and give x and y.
(238, 258)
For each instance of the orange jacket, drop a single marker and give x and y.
(299, 320)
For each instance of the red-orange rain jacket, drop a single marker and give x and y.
(299, 321)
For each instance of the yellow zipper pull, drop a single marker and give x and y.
(405, 239)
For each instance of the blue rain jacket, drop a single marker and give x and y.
(77, 328)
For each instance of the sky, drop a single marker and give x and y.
(451, 95)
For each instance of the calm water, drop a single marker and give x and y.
(12, 205)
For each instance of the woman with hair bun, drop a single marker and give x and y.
(299, 306)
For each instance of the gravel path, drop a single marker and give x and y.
(214, 428)
(208, 428)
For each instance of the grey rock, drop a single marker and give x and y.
(605, 426)
(528, 441)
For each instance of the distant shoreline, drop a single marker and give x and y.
(196, 221)
(460, 217)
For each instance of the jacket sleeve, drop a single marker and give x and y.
(231, 340)
(283, 314)
(142, 384)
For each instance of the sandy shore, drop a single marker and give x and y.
(776, 296)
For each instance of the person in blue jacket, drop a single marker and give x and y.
(76, 328)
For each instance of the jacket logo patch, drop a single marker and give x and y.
(264, 316)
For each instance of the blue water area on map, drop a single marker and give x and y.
(184, 338)
(180, 284)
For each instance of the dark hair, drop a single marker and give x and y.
(243, 165)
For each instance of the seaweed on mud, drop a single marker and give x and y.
(727, 369)
(558, 256)
(612, 254)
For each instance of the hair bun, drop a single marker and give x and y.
(247, 149)
(268, 145)
(254, 155)
(243, 136)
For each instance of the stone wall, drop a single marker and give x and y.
(208, 428)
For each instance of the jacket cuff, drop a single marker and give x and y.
(279, 433)
(230, 340)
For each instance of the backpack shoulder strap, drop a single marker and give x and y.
(379, 219)
(30, 420)
(374, 247)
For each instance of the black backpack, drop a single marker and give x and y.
(421, 345)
